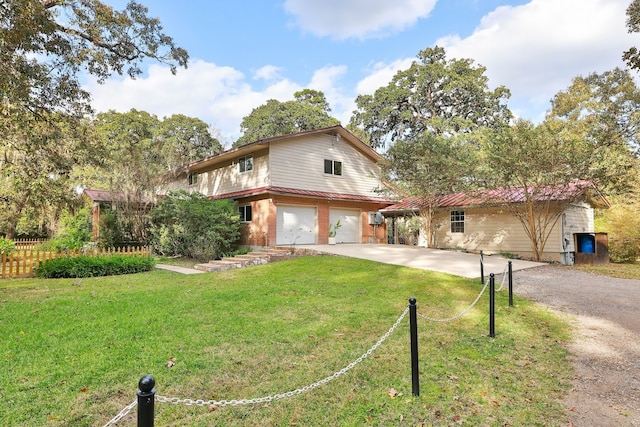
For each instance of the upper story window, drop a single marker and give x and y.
(192, 178)
(457, 221)
(245, 213)
(245, 163)
(332, 167)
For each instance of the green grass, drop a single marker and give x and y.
(72, 351)
(623, 271)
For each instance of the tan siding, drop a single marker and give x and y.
(577, 219)
(299, 164)
(226, 177)
(490, 230)
(494, 231)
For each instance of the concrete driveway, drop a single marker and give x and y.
(451, 262)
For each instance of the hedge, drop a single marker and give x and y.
(86, 266)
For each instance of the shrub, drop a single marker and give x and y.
(85, 266)
(6, 246)
(74, 232)
(193, 226)
(622, 223)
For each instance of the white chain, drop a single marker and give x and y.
(462, 313)
(504, 276)
(265, 399)
(122, 414)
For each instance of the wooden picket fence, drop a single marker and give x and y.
(26, 244)
(22, 263)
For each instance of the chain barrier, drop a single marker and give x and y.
(122, 414)
(504, 277)
(459, 315)
(265, 399)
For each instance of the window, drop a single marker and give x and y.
(457, 221)
(245, 213)
(245, 163)
(332, 167)
(192, 178)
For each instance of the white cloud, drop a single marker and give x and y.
(327, 80)
(221, 96)
(381, 74)
(268, 73)
(362, 19)
(534, 50)
(537, 48)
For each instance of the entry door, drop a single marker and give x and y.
(296, 225)
(349, 231)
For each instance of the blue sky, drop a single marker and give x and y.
(244, 52)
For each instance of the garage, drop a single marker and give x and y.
(349, 231)
(296, 225)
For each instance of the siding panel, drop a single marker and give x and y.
(299, 164)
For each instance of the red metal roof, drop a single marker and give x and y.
(499, 196)
(106, 196)
(306, 193)
(99, 195)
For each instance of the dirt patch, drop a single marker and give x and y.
(605, 352)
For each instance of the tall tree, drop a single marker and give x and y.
(314, 98)
(185, 139)
(426, 117)
(632, 55)
(142, 150)
(44, 46)
(437, 95)
(308, 111)
(604, 109)
(35, 174)
(427, 167)
(539, 171)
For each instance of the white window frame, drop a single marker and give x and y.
(192, 178)
(457, 221)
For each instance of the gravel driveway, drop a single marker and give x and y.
(606, 350)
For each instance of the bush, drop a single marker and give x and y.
(622, 223)
(74, 232)
(6, 246)
(193, 226)
(85, 266)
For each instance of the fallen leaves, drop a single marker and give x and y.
(393, 393)
(171, 362)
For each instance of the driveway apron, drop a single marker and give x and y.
(445, 261)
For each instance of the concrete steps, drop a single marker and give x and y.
(247, 260)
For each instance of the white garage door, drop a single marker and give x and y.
(349, 231)
(296, 225)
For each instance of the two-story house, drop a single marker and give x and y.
(293, 189)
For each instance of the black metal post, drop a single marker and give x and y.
(481, 267)
(510, 284)
(492, 305)
(413, 330)
(146, 401)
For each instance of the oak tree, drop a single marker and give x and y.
(435, 94)
(308, 111)
(45, 45)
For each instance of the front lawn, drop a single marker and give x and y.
(73, 350)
